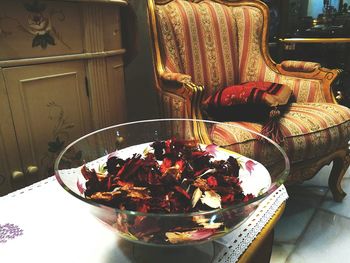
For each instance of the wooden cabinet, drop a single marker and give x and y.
(57, 87)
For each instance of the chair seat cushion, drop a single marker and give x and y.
(310, 130)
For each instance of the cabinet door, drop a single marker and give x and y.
(50, 109)
(116, 90)
(10, 161)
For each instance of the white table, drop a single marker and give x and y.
(43, 223)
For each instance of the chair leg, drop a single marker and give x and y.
(340, 165)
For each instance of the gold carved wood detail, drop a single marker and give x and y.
(306, 170)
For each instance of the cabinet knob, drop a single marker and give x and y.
(17, 175)
(32, 169)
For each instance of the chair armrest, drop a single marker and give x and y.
(177, 77)
(181, 98)
(177, 89)
(299, 66)
(311, 71)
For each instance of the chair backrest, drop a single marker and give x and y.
(219, 43)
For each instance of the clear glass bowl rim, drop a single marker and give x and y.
(282, 175)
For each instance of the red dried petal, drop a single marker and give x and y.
(87, 173)
(167, 146)
(212, 182)
(166, 164)
(228, 198)
(180, 165)
(182, 191)
(248, 197)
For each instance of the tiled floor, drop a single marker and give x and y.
(313, 227)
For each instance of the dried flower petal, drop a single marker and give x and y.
(197, 194)
(212, 182)
(248, 197)
(211, 199)
(212, 149)
(195, 235)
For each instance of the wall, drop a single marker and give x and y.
(142, 101)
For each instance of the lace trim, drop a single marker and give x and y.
(236, 243)
(28, 188)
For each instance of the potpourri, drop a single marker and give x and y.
(169, 177)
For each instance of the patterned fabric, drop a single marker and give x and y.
(174, 107)
(199, 39)
(310, 130)
(252, 66)
(300, 66)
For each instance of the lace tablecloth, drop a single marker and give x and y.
(43, 223)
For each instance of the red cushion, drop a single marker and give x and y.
(250, 101)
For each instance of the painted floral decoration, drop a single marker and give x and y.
(39, 25)
(9, 231)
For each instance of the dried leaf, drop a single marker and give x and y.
(138, 193)
(105, 196)
(201, 183)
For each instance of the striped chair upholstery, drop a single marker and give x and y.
(253, 67)
(194, 43)
(311, 130)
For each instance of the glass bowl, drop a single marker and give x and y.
(263, 167)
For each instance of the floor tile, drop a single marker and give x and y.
(280, 252)
(342, 208)
(326, 239)
(347, 173)
(300, 208)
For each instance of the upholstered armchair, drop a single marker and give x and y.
(200, 46)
